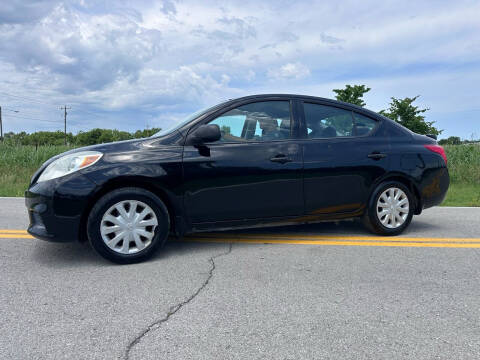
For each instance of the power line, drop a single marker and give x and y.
(15, 111)
(46, 103)
(29, 111)
(30, 118)
(90, 112)
(20, 117)
(27, 98)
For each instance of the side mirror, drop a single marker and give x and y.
(204, 134)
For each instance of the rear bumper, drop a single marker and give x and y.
(55, 208)
(434, 187)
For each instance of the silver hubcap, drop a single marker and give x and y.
(392, 208)
(128, 226)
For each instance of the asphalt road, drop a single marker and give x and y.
(318, 291)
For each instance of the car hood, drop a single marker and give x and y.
(116, 147)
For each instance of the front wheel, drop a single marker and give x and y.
(128, 225)
(390, 209)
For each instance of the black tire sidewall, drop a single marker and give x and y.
(111, 198)
(373, 220)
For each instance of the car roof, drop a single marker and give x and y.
(260, 97)
(308, 97)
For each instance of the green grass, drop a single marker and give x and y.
(462, 195)
(464, 163)
(464, 169)
(18, 163)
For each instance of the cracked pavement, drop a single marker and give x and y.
(65, 302)
(257, 301)
(173, 310)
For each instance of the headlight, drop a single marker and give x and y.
(68, 164)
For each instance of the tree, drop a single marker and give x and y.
(408, 115)
(451, 140)
(145, 133)
(91, 137)
(225, 130)
(352, 94)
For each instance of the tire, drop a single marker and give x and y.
(372, 218)
(130, 235)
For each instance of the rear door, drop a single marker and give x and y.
(253, 172)
(342, 158)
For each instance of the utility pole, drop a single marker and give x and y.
(65, 121)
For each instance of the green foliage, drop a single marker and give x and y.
(352, 94)
(99, 136)
(452, 140)
(145, 133)
(464, 163)
(405, 113)
(22, 154)
(40, 138)
(18, 163)
(401, 110)
(83, 138)
(225, 129)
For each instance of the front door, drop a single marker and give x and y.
(253, 172)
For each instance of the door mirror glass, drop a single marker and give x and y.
(204, 134)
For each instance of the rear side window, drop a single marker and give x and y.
(260, 121)
(327, 121)
(363, 124)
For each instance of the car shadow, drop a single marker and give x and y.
(75, 254)
(81, 254)
(417, 226)
(344, 227)
(70, 254)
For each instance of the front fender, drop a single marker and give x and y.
(157, 170)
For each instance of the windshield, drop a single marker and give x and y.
(189, 118)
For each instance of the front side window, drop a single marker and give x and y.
(260, 121)
(324, 121)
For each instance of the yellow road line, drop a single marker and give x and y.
(342, 243)
(302, 237)
(16, 236)
(9, 231)
(310, 239)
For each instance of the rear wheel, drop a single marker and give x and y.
(390, 209)
(128, 225)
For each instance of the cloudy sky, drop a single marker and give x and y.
(131, 64)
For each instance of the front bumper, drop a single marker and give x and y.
(56, 207)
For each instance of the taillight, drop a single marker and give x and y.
(437, 149)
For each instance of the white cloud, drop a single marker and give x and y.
(123, 57)
(289, 71)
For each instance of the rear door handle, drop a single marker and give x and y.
(376, 155)
(280, 158)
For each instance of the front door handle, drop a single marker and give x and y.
(280, 158)
(376, 155)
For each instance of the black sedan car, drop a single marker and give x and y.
(257, 160)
